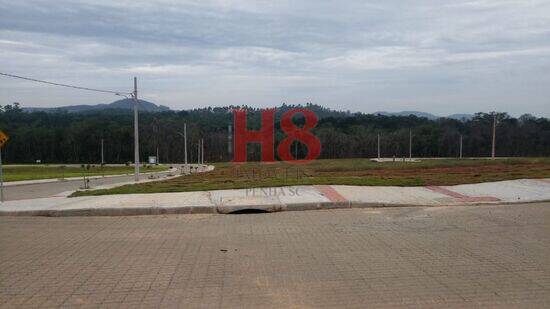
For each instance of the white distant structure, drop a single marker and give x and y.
(396, 159)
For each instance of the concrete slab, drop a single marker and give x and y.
(522, 190)
(392, 195)
(228, 201)
(49, 180)
(283, 198)
(269, 199)
(381, 160)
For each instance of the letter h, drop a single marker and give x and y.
(265, 136)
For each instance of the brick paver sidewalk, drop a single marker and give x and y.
(485, 256)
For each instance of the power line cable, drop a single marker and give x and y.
(119, 93)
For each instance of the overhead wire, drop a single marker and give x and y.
(119, 93)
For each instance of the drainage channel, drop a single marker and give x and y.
(248, 211)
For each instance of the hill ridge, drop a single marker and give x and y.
(124, 104)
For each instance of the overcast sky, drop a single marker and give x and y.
(441, 57)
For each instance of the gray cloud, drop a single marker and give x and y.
(437, 56)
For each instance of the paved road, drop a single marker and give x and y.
(32, 191)
(486, 256)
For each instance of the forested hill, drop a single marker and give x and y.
(124, 104)
(63, 137)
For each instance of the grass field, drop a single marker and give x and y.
(33, 172)
(360, 172)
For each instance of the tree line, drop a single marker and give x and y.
(62, 137)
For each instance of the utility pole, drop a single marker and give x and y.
(202, 151)
(158, 160)
(199, 152)
(185, 142)
(410, 144)
(136, 133)
(494, 135)
(378, 146)
(102, 157)
(229, 140)
(156, 132)
(460, 152)
(184, 135)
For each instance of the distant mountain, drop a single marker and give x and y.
(426, 115)
(408, 113)
(461, 116)
(124, 104)
(128, 104)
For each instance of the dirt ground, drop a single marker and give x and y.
(360, 172)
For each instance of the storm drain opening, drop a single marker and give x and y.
(248, 211)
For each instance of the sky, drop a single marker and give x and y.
(442, 57)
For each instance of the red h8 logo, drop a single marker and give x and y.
(266, 136)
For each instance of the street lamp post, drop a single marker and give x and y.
(410, 144)
(378, 146)
(229, 141)
(493, 148)
(202, 151)
(460, 155)
(199, 153)
(184, 135)
(136, 133)
(185, 142)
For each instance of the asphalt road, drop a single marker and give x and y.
(475, 256)
(32, 191)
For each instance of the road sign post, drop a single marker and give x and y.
(3, 139)
(1, 179)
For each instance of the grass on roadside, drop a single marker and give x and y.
(360, 172)
(34, 172)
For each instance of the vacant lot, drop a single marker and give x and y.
(361, 172)
(31, 172)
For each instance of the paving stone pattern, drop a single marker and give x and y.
(484, 256)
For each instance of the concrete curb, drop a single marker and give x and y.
(175, 174)
(293, 198)
(50, 180)
(111, 212)
(143, 211)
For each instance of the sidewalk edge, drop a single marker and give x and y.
(134, 211)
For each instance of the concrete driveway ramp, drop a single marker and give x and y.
(244, 200)
(243, 209)
(272, 199)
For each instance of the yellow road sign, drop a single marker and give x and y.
(3, 138)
